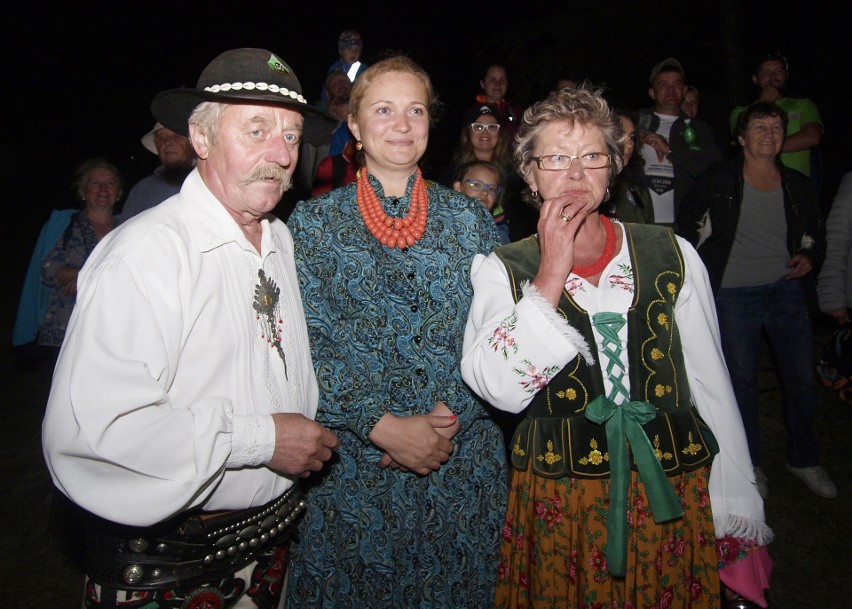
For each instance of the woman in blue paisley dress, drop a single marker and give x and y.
(410, 513)
(98, 184)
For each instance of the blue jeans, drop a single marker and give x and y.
(781, 310)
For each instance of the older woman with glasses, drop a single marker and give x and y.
(631, 479)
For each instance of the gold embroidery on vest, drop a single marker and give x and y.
(568, 394)
(660, 454)
(692, 449)
(550, 457)
(661, 339)
(517, 450)
(595, 457)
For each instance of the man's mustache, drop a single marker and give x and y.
(268, 172)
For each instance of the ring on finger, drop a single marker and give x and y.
(565, 217)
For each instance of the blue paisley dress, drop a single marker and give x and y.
(386, 329)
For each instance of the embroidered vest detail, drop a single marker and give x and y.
(555, 438)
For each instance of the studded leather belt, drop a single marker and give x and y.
(190, 549)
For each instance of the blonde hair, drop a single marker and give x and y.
(396, 63)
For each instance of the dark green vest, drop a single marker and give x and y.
(555, 438)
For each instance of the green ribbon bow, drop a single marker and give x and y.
(620, 420)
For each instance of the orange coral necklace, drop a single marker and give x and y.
(608, 253)
(393, 232)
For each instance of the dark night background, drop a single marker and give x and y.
(79, 77)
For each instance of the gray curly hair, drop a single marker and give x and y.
(584, 105)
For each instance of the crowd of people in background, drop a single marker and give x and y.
(515, 312)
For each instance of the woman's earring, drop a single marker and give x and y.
(359, 145)
(535, 194)
(607, 195)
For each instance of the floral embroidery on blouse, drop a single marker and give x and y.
(533, 379)
(266, 297)
(502, 340)
(624, 280)
(574, 285)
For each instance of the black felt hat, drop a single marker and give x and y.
(238, 75)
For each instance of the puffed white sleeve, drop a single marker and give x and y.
(737, 506)
(120, 438)
(512, 350)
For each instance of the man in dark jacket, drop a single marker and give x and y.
(676, 149)
(757, 226)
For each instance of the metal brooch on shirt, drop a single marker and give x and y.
(266, 296)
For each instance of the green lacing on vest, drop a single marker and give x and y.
(555, 438)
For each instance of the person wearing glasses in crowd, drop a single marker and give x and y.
(483, 138)
(483, 180)
(494, 84)
(631, 478)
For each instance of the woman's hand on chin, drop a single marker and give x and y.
(559, 220)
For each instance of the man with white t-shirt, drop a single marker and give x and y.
(676, 149)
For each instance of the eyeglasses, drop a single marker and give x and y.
(477, 186)
(562, 162)
(489, 127)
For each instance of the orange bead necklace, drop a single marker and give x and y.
(393, 232)
(607, 254)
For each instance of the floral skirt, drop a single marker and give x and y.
(553, 549)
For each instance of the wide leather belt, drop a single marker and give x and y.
(190, 549)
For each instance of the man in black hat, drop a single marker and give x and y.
(181, 411)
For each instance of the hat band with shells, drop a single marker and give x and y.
(259, 86)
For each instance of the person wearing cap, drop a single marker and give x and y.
(494, 85)
(349, 46)
(484, 138)
(177, 158)
(804, 125)
(181, 412)
(481, 138)
(676, 149)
